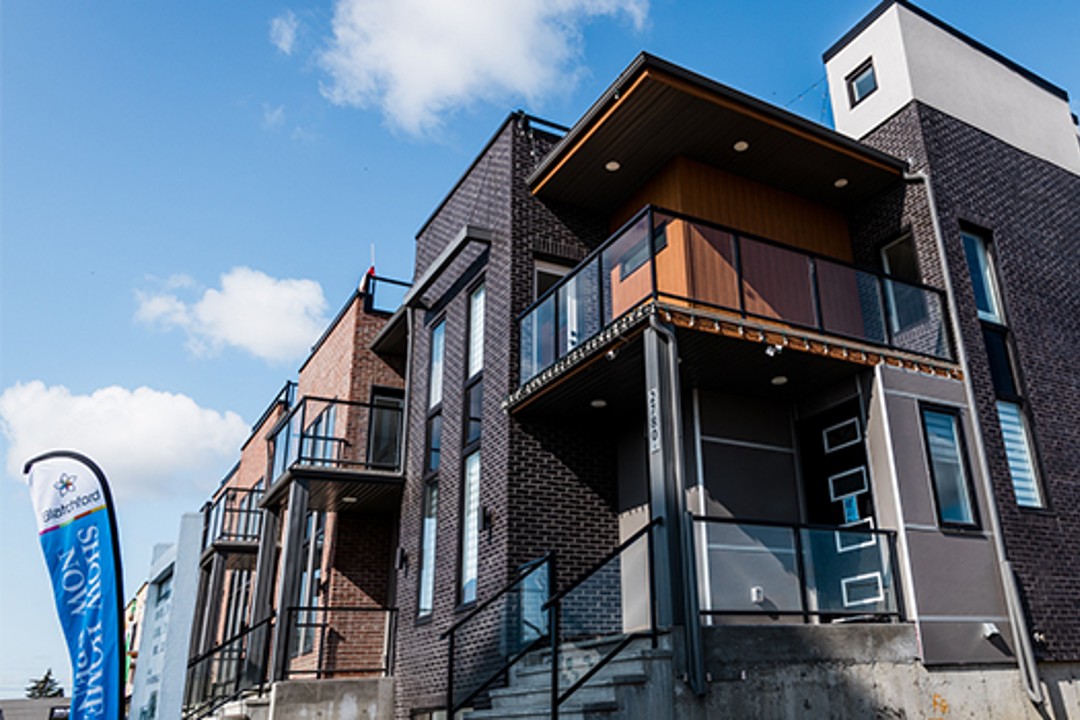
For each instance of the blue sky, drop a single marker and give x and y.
(191, 189)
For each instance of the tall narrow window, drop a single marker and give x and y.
(906, 303)
(1014, 433)
(1012, 414)
(470, 528)
(948, 466)
(476, 331)
(438, 338)
(983, 280)
(428, 528)
(384, 433)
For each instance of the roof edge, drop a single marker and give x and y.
(963, 37)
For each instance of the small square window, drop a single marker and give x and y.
(861, 83)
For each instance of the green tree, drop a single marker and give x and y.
(44, 687)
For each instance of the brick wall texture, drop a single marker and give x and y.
(543, 487)
(1030, 210)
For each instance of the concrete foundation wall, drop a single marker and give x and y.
(858, 671)
(332, 700)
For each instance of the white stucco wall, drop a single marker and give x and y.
(163, 649)
(916, 59)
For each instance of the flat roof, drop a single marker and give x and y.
(962, 37)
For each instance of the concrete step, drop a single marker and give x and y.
(575, 661)
(569, 711)
(595, 691)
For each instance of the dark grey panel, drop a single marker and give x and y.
(750, 484)
(748, 419)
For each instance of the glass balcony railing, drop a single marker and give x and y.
(661, 256)
(234, 516)
(749, 568)
(384, 295)
(319, 432)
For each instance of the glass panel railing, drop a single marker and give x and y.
(234, 517)
(340, 642)
(774, 570)
(916, 319)
(224, 672)
(694, 264)
(776, 283)
(486, 644)
(626, 271)
(384, 294)
(850, 302)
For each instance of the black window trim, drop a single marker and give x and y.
(958, 415)
(849, 81)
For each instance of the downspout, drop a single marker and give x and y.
(695, 656)
(1021, 636)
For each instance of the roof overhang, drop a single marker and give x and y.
(657, 111)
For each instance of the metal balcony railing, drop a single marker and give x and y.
(776, 570)
(661, 256)
(233, 517)
(326, 433)
(383, 295)
(337, 642)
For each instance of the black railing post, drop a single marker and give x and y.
(651, 240)
(801, 565)
(652, 588)
(886, 308)
(815, 288)
(319, 672)
(553, 622)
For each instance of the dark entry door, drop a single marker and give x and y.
(836, 480)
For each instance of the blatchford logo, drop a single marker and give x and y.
(64, 485)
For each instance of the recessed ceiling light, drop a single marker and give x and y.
(612, 165)
(741, 146)
(599, 403)
(840, 182)
(779, 380)
(348, 499)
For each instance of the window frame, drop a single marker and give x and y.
(964, 464)
(426, 567)
(1028, 435)
(474, 383)
(851, 78)
(988, 273)
(434, 406)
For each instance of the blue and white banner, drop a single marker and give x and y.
(78, 535)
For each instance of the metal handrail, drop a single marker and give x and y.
(554, 608)
(242, 682)
(602, 562)
(520, 575)
(792, 526)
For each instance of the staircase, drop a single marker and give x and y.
(619, 690)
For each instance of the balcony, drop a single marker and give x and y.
(769, 572)
(710, 272)
(340, 642)
(233, 521)
(350, 453)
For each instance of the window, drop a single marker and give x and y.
(948, 466)
(861, 83)
(983, 281)
(428, 528)
(434, 443)
(164, 588)
(470, 528)
(547, 276)
(476, 331)
(474, 400)
(438, 339)
(1014, 433)
(384, 433)
(307, 596)
(320, 443)
(1012, 416)
(906, 303)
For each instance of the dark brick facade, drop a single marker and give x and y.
(542, 487)
(1031, 210)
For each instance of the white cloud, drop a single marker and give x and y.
(145, 440)
(283, 31)
(273, 116)
(419, 59)
(276, 320)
